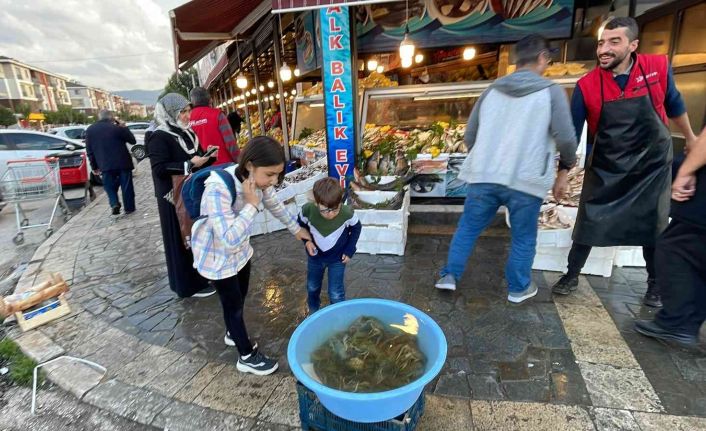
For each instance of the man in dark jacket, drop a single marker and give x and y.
(107, 151)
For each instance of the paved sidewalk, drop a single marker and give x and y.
(544, 365)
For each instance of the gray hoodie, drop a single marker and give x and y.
(514, 132)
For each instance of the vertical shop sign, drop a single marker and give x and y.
(338, 91)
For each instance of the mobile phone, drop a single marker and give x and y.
(210, 151)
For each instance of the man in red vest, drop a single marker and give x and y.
(627, 102)
(212, 127)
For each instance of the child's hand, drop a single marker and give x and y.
(345, 259)
(311, 248)
(250, 192)
(303, 235)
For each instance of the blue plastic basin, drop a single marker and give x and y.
(365, 407)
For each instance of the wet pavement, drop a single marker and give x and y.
(564, 352)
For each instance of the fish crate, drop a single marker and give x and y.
(384, 231)
(629, 256)
(314, 416)
(600, 261)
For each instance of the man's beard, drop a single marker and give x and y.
(613, 64)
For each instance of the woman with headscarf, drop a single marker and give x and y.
(172, 145)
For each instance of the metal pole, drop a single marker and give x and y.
(282, 102)
(256, 80)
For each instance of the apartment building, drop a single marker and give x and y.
(21, 83)
(137, 110)
(83, 98)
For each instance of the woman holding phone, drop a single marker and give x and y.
(173, 148)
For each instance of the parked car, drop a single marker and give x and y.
(71, 132)
(74, 166)
(136, 126)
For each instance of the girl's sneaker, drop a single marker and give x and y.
(229, 341)
(257, 363)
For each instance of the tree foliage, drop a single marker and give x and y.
(24, 109)
(65, 114)
(7, 118)
(181, 83)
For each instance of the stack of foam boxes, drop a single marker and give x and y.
(384, 231)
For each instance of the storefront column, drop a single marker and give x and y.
(282, 102)
(256, 80)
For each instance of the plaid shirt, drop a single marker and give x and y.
(221, 240)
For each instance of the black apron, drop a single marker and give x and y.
(627, 186)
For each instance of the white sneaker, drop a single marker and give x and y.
(204, 293)
(519, 297)
(447, 282)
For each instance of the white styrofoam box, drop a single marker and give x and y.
(392, 233)
(382, 180)
(286, 193)
(302, 198)
(306, 185)
(600, 261)
(554, 237)
(382, 217)
(368, 247)
(629, 256)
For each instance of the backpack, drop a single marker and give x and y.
(188, 199)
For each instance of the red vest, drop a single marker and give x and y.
(204, 121)
(656, 70)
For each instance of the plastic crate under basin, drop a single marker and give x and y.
(314, 416)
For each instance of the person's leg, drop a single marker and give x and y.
(336, 273)
(480, 208)
(229, 292)
(578, 255)
(314, 279)
(653, 295)
(128, 190)
(110, 185)
(524, 212)
(680, 262)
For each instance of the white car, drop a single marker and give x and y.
(26, 144)
(70, 132)
(137, 126)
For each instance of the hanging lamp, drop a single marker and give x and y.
(285, 73)
(407, 46)
(240, 81)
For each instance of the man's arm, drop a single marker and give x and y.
(228, 137)
(91, 155)
(684, 185)
(469, 138)
(578, 112)
(676, 110)
(562, 129)
(128, 136)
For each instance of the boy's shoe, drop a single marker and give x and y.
(566, 284)
(116, 210)
(257, 363)
(518, 297)
(447, 282)
(652, 297)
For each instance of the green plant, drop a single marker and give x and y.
(181, 82)
(7, 118)
(21, 367)
(305, 133)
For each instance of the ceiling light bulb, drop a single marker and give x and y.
(372, 64)
(407, 47)
(418, 58)
(297, 72)
(285, 73)
(380, 69)
(294, 92)
(406, 62)
(270, 84)
(241, 81)
(469, 53)
(247, 94)
(262, 88)
(286, 94)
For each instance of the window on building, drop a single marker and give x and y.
(27, 91)
(691, 45)
(2, 71)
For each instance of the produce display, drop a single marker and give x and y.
(307, 172)
(552, 218)
(374, 80)
(276, 134)
(388, 150)
(369, 357)
(311, 139)
(561, 69)
(573, 195)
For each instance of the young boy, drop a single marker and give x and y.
(335, 230)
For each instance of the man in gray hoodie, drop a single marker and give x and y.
(513, 135)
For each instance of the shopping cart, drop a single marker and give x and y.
(33, 180)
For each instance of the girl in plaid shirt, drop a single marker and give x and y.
(221, 240)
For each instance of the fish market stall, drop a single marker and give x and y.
(308, 141)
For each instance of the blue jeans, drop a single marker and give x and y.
(482, 203)
(123, 179)
(315, 278)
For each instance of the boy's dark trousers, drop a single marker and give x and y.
(315, 275)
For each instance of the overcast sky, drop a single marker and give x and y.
(65, 36)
